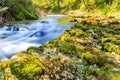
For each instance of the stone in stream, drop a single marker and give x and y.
(15, 29)
(24, 28)
(38, 34)
(12, 29)
(45, 22)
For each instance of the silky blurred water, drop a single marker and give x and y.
(19, 37)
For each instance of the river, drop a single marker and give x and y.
(19, 37)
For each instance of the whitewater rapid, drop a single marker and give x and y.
(19, 37)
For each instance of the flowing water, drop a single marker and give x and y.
(20, 36)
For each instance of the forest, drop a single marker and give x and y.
(59, 39)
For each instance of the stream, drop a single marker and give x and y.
(19, 37)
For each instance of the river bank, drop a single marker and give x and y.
(89, 50)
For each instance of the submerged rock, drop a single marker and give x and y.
(45, 22)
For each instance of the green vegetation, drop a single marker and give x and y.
(22, 66)
(86, 51)
(31, 9)
(90, 50)
(87, 48)
(92, 6)
(19, 9)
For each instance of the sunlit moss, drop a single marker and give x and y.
(104, 40)
(112, 47)
(111, 44)
(32, 49)
(86, 58)
(78, 25)
(116, 76)
(26, 66)
(21, 66)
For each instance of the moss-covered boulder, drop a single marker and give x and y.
(111, 44)
(22, 66)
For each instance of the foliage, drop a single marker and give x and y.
(82, 52)
(63, 6)
(19, 9)
(26, 9)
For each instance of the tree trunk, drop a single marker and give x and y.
(59, 5)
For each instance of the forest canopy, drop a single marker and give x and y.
(26, 9)
(63, 6)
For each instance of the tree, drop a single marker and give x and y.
(59, 5)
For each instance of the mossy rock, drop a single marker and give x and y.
(76, 33)
(26, 66)
(86, 58)
(22, 66)
(104, 40)
(111, 44)
(112, 47)
(32, 49)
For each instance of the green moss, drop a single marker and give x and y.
(76, 33)
(99, 66)
(105, 73)
(26, 67)
(78, 25)
(104, 40)
(67, 48)
(86, 58)
(32, 49)
(111, 44)
(21, 66)
(112, 47)
(100, 59)
(116, 75)
(112, 31)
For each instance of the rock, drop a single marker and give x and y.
(45, 77)
(15, 29)
(23, 66)
(45, 22)
(67, 75)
